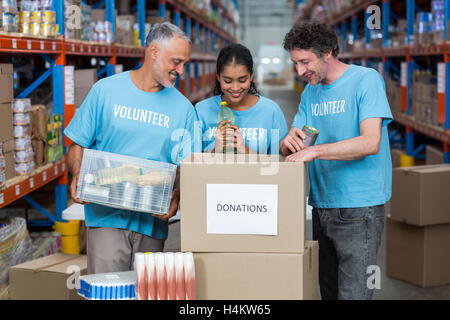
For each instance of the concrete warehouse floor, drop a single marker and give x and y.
(391, 289)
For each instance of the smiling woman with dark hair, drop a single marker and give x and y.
(259, 122)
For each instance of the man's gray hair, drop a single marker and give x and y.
(163, 32)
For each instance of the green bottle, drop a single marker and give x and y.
(225, 113)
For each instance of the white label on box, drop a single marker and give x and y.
(17, 190)
(31, 182)
(242, 209)
(441, 78)
(69, 84)
(44, 175)
(2, 198)
(404, 74)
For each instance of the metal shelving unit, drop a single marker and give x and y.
(197, 83)
(407, 54)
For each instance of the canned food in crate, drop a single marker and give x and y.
(48, 17)
(311, 136)
(46, 29)
(35, 29)
(24, 17)
(36, 17)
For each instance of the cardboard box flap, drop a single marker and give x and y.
(6, 68)
(50, 263)
(421, 168)
(8, 146)
(228, 158)
(439, 169)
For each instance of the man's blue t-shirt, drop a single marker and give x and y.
(118, 117)
(262, 126)
(336, 110)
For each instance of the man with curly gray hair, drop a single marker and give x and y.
(137, 113)
(350, 166)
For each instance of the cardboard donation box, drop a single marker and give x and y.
(258, 276)
(418, 255)
(420, 195)
(47, 278)
(6, 83)
(242, 203)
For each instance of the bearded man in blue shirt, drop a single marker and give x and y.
(136, 113)
(350, 165)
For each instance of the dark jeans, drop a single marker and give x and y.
(348, 244)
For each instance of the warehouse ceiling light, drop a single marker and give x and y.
(265, 60)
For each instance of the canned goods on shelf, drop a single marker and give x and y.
(24, 17)
(25, 28)
(35, 29)
(36, 17)
(48, 17)
(21, 118)
(47, 29)
(21, 105)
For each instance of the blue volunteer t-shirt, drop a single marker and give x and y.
(118, 117)
(336, 110)
(262, 126)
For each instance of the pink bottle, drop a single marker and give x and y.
(151, 276)
(141, 276)
(170, 269)
(161, 276)
(189, 274)
(179, 276)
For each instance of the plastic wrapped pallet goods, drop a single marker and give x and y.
(15, 248)
(108, 286)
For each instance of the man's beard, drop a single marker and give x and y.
(160, 78)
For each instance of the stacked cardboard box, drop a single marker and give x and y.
(6, 119)
(394, 95)
(244, 220)
(424, 103)
(434, 155)
(39, 134)
(125, 29)
(84, 80)
(52, 277)
(418, 229)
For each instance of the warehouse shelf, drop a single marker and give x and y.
(434, 132)
(20, 186)
(347, 20)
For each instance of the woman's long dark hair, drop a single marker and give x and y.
(238, 54)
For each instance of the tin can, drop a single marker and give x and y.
(24, 17)
(311, 136)
(35, 29)
(48, 17)
(36, 16)
(128, 199)
(24, 28)
(147, 197)
(46, 29)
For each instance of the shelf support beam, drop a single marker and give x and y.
(35, 84)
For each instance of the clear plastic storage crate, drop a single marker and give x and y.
(126, 182)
